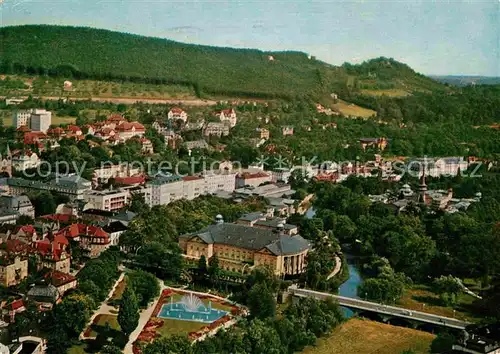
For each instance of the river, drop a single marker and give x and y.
(350, 287)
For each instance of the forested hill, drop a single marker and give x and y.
(100, 54)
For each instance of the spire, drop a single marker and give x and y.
(422, 188)
(8, 151)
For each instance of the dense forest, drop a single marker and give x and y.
(106, 55)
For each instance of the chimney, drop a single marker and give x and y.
(219, 219)
(280, 228)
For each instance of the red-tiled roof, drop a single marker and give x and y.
(53, 249)
(16, 305)
(56, 131)
(177, 110)
(73, 128)
(126, 126)
(58, 278)
(58, 217)
(115, 117)
(130, 180)
(76, 230)
(248, 175)
(191, 178)
(28, 229)
(17, 246)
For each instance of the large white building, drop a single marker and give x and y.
(21, 118)
(166, 189)
(41, 120)
(37, 119)
(115, 199)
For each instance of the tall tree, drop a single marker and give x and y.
(128, 316)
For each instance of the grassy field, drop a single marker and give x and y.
(45, 86)
(389, 93)
(421, 298)
(367, 337)
(350, 109)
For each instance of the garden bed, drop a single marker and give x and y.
(158, 327)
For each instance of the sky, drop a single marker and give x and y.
(432, 36)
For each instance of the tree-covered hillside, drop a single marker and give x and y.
(105, 55)
(102, 54)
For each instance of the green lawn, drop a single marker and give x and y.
(100, 323)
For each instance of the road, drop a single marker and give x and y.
(383, 309)
(132, 100)
(336, 270)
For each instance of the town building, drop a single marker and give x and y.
(54, 253)
(263, 133)
(240, 248)
(25, 160)
(107, 171)
(12, 207)
(255, 179)
(146, 146)
(216, 129)
(479, 340)
(193, 187)
(109, 200)
(21, 118)
(44, 295)
(177, 113)
(73, 186)
(166, 189)
(227, 116)
(91, 238)
(127, 130)
(287, 130)
(61, 281)
(40, 120)
(280, 174)
(196, 144)
(13, 269)
(378, 143)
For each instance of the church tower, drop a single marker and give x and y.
(6, 163)
(422, 188)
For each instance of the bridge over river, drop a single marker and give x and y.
(386, 312)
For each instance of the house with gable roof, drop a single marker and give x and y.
(177, 113)
(91, 238)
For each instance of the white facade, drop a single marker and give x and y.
(281, 174)
(219, 182)
(106, 172)
(193, 187)
(109, 200)
(228, 116)
(177, 113)
(165, 190)
(25, 161)
(21, 118)
(40, 120)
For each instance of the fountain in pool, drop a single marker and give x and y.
(190, 308)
